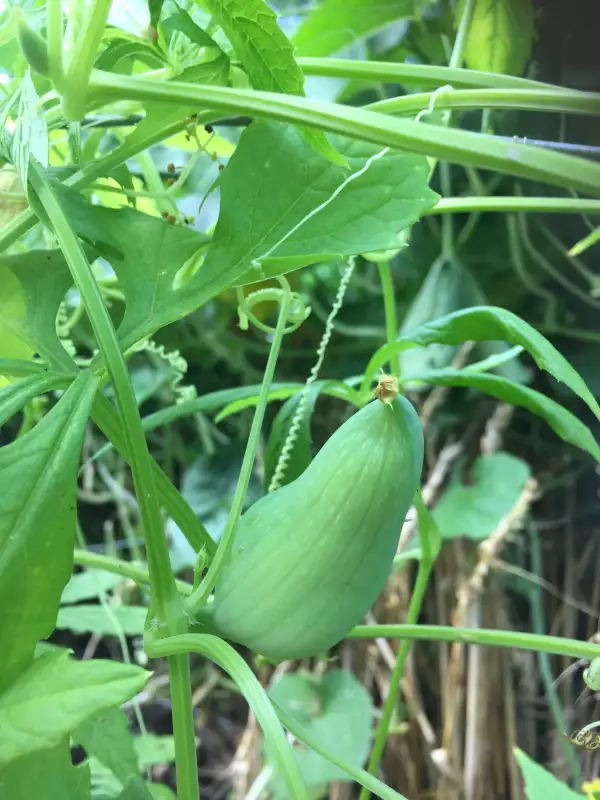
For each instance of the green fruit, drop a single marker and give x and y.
(309, 560)
(33, 45)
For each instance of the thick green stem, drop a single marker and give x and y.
(201, 594)
(78, 71)
(457, 146)
(166, 599)
(186, 764)
(544, 205)
(223, 654)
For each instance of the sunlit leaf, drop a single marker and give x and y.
(90, 618)
(54, 695)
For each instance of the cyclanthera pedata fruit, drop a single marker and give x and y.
(310, 559)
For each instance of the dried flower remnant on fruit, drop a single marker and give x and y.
(387, 388)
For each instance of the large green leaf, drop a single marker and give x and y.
(335, 24)
(368, 214)
(481, 324)
(33, 286)
(477, 508)
(38, 474)
(266, 54)
(541, 784)
(337, 710)
(500, 35)
(54, 695)
(107, 737)
(46, 774)
(565, 424)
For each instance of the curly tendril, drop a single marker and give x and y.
(292, 435)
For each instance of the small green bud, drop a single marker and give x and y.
(33, 46)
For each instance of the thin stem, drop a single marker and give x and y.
(447, 222)
(461, 36)
(128, 569)
(544, 205)
(544, 659)
(201, 594)
(430, 545)
(389, 309)
(496, 638)
(419, 74)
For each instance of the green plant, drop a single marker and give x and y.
(356, 180)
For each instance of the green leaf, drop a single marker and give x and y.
(90, 618)
(107, 737)
(335, 24)
(337, 710)
(485, 323)
(541, 784)
(33, 287)
(475, 510)
(562, 422)
(135, 788)
(267, 56)
(300, 454)
(153, 750)
(283, 231)
(500, 35)
(37, 524)
(54, 695)
(447, 287)
(146, 253)
(17, 394)
(48, 774)
(182, 22)
(88, 584)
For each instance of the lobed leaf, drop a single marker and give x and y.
(480, 324)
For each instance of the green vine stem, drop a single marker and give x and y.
(556, 645)
(544, 205)
(75, 84)
(199, 597)
(226, 657)
(165, 597)
(55, 41)
(430, 546)
(450, 144)
(496, 638)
